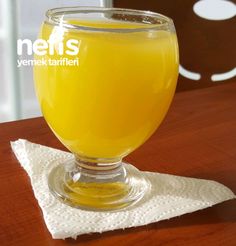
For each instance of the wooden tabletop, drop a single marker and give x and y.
(197, 139)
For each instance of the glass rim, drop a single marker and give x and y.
(52, 14)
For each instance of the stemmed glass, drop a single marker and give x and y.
(109, 102)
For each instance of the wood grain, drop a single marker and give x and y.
(197, 139)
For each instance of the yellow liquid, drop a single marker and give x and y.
(116, 97)
(97, 195)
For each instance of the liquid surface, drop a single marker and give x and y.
(116, 97)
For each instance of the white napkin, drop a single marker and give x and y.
(171, 196)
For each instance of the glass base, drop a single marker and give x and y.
(98, 186)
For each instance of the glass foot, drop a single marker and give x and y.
(98, 186)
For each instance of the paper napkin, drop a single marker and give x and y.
(170, 196)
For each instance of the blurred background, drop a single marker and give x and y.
(205, 28)
(22, 19)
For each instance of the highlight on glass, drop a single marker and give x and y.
(107, 104)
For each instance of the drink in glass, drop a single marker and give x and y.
(107, 104)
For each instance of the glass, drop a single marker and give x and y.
(108, 104)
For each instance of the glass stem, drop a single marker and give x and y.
(98, 170)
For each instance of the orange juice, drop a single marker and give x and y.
(118, 94)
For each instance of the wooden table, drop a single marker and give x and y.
(197, 139)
